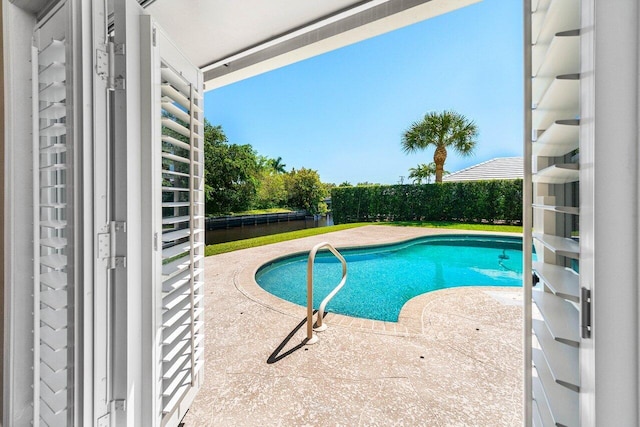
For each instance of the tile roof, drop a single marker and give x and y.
(498, 168)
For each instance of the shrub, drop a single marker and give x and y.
(470, 201)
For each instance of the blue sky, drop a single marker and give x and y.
(343, 113)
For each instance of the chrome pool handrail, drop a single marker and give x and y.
(311, 337)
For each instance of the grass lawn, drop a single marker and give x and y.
(221, 248)
(457, 226)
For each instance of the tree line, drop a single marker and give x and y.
(467, 201)
(238, 179)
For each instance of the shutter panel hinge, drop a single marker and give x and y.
(105, 420)
(102, 63)
(119, 405)
(585, 313)
(116, 405)
(118, 80)
(105, 65)
(107, 244)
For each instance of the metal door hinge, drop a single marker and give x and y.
(117, 81)
(107, 245)
(585, 313)
(116, 405)
(105, 65)
(102, 63)
(104, 421)
(119, 405)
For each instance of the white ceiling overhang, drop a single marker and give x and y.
(231, 40)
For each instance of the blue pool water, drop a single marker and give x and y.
(383, 278)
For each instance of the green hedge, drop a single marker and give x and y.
(471, 201)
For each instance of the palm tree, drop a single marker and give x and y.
(277, 165)
(422, 171)
(447, 129)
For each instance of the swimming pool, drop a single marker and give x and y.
(382, 279)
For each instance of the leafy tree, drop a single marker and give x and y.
(304, 190)
(231, 173)
(447, 129)
(345, 184)
(213, 136)
(327, 187)
(271, 191)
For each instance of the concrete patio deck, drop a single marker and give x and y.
(453, 359)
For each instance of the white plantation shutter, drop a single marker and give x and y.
(173, 155)
(182, 234)
(106, 302)
(159, 195)
(556, 298)
(53, 206)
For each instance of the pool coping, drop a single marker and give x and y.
(411, 315)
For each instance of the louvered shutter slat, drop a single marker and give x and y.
(55, 381)
(53, 52)
(55, 92)
(53, 223)
(172, 189)
(54, 280)
(174, 126)
(176, 96)
(54, 148)
(170, 108)
(175, 142)
(56, 300)
(182, 235)
(54, 72)
(53, 338)
(176, 205)
(56, 401)
(175, 158)
(55, 261)
(174, 349)
(174, 323)
(53, 359)
(175, 267)
(51, 418)
(174, 173)
(54, 111)
(174, 219)
(175, 282)
(176, 235)
(53, 167)
(173, 400)
(181, 248)
(176, 311)
(177, 368)
(175, 80)
(177, 297)
(54, 319)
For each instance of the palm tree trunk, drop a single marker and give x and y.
(439, 158)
